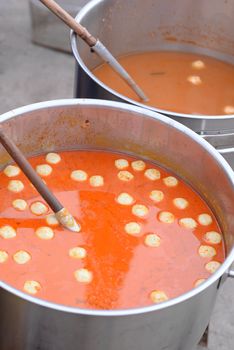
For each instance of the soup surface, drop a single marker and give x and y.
(176, 81)
(145, 235)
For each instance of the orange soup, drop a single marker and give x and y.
(145, 235)
(176, 81)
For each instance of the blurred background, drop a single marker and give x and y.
(28, 72)
(36, 65)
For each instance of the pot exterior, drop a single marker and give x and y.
(27, 326)
(86, 87)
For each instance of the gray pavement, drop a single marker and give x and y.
(30, 73)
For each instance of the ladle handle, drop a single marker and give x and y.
(70, 21)
(28, 170)
(97, 46)
(62, 214)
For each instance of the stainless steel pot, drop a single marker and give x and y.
(27, 323)
(201, 26)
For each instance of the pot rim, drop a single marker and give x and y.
(165, 120)
(73, 40)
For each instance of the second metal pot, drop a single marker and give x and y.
(200, 26)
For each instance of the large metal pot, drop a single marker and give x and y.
(28, 323)
(201, 26)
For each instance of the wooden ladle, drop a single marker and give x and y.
(95, 45)
(61, 213)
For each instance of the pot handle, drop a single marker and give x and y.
(231, 273)
(224, 151)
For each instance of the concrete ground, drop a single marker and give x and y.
(29, 74)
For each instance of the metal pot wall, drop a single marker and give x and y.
(31, 323)
(200, 26)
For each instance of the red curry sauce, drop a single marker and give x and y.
(123, 269)
(176, 81)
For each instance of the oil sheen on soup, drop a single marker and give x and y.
(145, 235)
(176, 81)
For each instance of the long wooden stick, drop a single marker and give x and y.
(62, 214)
(95, 44)
(70, 21)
